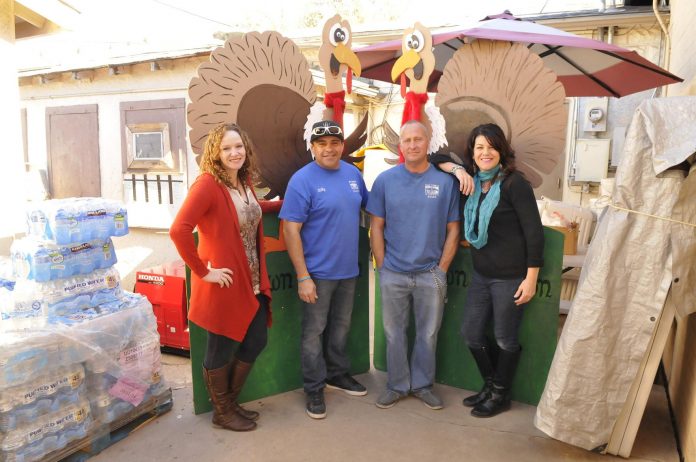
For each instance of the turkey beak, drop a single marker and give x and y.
(345, 55)
(407, 61)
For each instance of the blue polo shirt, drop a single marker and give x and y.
(327, 203)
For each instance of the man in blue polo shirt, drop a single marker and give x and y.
(321, 218)
(414, 234)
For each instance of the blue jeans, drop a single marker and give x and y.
(424, 292)
(492, 297)
(325, 328)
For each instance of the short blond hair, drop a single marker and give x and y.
(417, 123)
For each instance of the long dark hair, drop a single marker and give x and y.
(211, 156)
(495, 136)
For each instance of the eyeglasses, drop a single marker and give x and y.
(330, 130)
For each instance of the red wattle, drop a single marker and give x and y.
(403, 85)
(337, 102)
(349, 80)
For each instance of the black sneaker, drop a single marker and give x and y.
(348, 384)
(316, 408)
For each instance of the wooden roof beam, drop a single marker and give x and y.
(29, 16)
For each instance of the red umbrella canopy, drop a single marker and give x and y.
(584, 66)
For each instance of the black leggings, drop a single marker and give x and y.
(220, 348)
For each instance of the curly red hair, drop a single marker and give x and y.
(210, 161)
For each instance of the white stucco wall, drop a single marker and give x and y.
(135, 83)
(12, 159)
(683, 34)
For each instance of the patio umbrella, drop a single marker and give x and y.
(584, 66)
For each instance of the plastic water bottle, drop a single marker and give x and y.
(23, 403)
(37, 224)
(41, 264)
(46, 434)
(21, 309)
(104, 255)
(101, 227)
(120, 220)
(82, 258)
(67, 224)
(76, 220)
(28, 355)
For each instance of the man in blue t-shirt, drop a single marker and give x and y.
(321, 219)
(414, 235)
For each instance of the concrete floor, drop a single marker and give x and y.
(355, 430)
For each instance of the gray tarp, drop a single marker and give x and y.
(631, 264)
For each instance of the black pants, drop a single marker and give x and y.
(220, 348)
(490, 297)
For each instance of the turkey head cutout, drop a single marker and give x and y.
(336, 56)
(417, 62)
(335, 59)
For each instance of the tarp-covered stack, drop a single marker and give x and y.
(638, 275)
(76, 351)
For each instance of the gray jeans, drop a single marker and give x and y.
(423, 292)
(325, 328)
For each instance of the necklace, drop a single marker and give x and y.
(242, 194)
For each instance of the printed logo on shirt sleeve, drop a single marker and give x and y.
(354, 186)
(321, 189)
(432, 191)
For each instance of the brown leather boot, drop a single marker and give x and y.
(224, 416)
(238, 375)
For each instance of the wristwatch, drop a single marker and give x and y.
(454, 169)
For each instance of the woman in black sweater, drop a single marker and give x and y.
(502, 224)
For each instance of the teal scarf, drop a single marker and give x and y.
(490, 202)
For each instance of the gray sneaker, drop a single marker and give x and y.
(387, 399)
(430, 399)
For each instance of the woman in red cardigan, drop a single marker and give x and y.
(230, 291)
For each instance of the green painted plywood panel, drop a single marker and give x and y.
(538, 333)
(278, 368)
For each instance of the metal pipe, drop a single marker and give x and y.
(668, 44)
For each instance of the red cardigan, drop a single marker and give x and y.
(225, 311)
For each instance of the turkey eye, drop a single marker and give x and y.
(338, 34)
(415, 41)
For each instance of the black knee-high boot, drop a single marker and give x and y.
(485, 366)
(499, 400)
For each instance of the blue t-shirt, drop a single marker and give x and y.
(416, 208)
(327, 203)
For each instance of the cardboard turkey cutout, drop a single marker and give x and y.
(502, 83)
(262, 82)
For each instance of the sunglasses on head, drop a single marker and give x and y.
(330, 130)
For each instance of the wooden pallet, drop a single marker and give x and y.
(104, 436)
